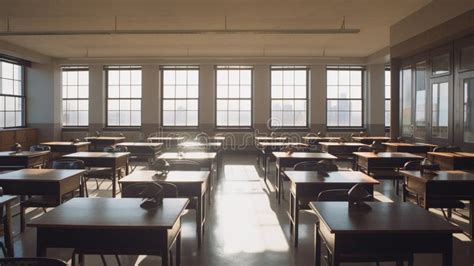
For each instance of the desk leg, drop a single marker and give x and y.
(8, 230)
(40, 247)
(296, 220)
(199, 219)
(317, 246)
(114, 181)
(265, 168)
(448, 253)
(471, 217)
(178, 249)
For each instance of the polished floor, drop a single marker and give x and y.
(245, 226)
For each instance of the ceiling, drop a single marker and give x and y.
(45, 21)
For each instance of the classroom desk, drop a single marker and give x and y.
(286, 160)
(112, 226)
(169, 143)
(267, 148)
(453, 160)
(99, 143)
(114, 160)
(305, 186)
(442, 186)
(343, 150)
(42, 182)
(315, 140)
(191, 184)
(419, 148)
(67, 146)
(270, 139)
(6, 202)
(10, 160)
(371, 139)
(142, 150)
(404, 225)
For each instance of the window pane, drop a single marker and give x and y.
(289, 84)
(406, 102)
(468, 105)
(124, 96)
(233, 83)
(342, 86)
(181, 91)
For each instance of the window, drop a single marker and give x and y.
(344, 96)
(11, 95)
(440, 110)
(289, 96)
(124, 96)
(75, 88)
(180, 96)
(234, 96)
(406, 102)
(420, 100)
(387, 97)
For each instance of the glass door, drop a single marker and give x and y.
(440, 101)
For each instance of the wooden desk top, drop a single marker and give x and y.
(165, 138)
(404, 144)
(308, 155)
(334, 177)
(116, 213)
(381, 138)
(104, 138)
(452, 154)
(141, 144)
(271, 138)
(389, 218)
(188, 155)
(172, 176)
(23, 153)
(441, 176)
(282, 144)
(6, 198)
(352, 144)
(45, 175)
(320, 138)
(381, 155)
(195, 144)
(65, 143)
(96, 155)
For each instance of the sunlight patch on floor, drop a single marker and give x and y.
(381, 197)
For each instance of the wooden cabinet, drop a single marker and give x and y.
(25, 136)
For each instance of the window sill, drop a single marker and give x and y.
(109, 128)
(170, 128)
(64, 128)
(234, 129)
(345, 129)
(284, 129)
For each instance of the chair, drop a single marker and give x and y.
(105, 172)
(45, 201)
(41, 148)
(31, 262)
(202, 138)
(342, 195)
(305, 166)
(184, 165)
(326, 166)
(365, 149)
(434, 203)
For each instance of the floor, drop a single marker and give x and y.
(245, 226)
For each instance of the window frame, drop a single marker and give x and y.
(76, 68)
(389, 99)
(178, 67)
(22, 65)
(118, 67)
(252, 79)
(307, 99)
(362, 69)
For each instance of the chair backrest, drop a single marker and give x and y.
(184, 165)
(40, 148)
(333, 195)
(325, 166)
(202, 137)
(148, 190)
(305, 166)
(412, 165)
(365, 149)
(68, 164)
(142, 190)
(116, 149)
(32, 262)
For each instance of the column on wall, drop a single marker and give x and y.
(375, 118)
(317, 96)
(44, 112)
(261, 97)
(97, 98)
(206, 98)
(394, 98)
(151, 103)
